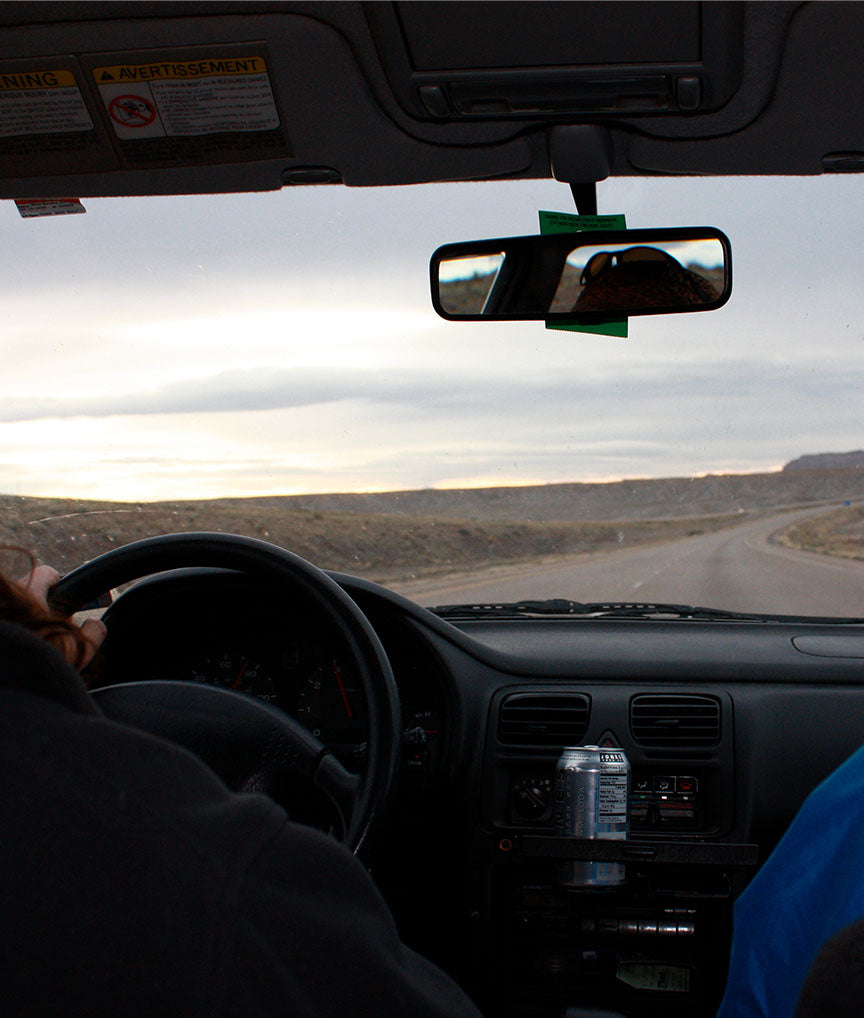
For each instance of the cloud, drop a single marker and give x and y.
(228, 391)
(644, 392)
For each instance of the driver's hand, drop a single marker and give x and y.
(37, 584)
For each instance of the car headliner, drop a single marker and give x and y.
(773, 88)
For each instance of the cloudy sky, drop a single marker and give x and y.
(285, 343)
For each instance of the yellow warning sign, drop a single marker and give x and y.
(26, 80)
(41, 101)
(182, 70)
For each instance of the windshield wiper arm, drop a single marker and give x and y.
(562, 608)
(557, 606)
(646, 610)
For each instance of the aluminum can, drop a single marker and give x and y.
(592, 793)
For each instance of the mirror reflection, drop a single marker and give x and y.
(618, 276)
(631, 272)
(465, 283)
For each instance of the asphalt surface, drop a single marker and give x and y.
(738, 569)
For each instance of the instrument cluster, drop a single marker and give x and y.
(229, 633)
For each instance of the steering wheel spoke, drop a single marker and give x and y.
(340, 786)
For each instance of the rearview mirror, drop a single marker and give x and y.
(583, 277)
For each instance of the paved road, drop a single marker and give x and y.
(737, 569)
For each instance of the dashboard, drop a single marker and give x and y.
(212, 627)
(727, 725)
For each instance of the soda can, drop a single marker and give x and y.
(592, 792)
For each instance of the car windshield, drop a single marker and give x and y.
(270, 364)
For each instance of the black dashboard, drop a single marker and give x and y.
(214, 627)
(727, 726)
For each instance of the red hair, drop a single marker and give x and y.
(18, 605)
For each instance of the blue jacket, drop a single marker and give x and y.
(810, 887)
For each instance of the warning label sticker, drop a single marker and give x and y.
(174, 70)
(41, 102)
(186, 98)
(30, 208)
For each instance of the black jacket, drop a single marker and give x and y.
(133, 882)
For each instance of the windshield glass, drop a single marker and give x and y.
(270, 364)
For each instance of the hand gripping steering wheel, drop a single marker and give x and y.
(246, 741)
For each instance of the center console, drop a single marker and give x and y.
(658, 943)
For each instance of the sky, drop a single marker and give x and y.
(284, 343)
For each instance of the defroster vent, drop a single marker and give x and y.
(676, 721)
(529, 719)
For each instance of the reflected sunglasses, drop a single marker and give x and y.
(604, 260)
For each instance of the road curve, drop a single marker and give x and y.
(737, 568)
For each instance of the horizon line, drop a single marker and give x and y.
(363, 492)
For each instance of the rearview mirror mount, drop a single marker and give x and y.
(583, 277)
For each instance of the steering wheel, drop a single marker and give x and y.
(247, 742)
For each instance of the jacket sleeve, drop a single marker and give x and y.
(809, 888)
(311, 936)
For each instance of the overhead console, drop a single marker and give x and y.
(493, 60)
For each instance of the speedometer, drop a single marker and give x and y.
(236, 671)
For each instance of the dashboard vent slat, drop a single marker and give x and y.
(529, 719)
(675, 720)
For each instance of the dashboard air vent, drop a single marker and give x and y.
(529, 719)
(675, 721)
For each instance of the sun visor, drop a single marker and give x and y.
(206, 104)
(827, 131)
(490, 60)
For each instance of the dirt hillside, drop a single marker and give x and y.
(711, 495)
(404, 534)
(67, 532)
(835, 532)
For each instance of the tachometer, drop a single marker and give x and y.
(332, 706)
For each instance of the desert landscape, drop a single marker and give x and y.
(408, 534)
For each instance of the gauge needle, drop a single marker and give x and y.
(239, 678)
(338, 675)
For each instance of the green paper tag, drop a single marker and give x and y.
(566, 222)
